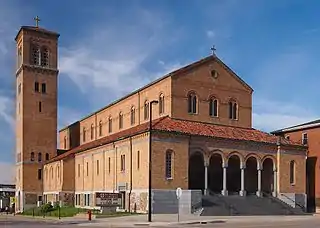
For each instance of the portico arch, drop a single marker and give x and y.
(196, 171)
(251, 175)
(234, 173)
(215, 173)
(267, 175)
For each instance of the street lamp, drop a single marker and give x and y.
(150, 160)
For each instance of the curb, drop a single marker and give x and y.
(179, 223)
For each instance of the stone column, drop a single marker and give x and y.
(274, 192)
(242, 190)
(206, 192)
(224, 186)
(259, 193)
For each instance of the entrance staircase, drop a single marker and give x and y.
(235, 205)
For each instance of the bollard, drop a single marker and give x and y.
(59, 212)
(89, 215)
(32, 212)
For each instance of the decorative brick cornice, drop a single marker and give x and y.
(37, 69)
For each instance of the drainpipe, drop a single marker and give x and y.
(130, 191)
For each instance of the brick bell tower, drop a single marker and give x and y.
(36, 110)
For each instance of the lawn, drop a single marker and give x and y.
(70, 212)
(54, 212)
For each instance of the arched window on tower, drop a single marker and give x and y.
(19, 56)
(133, 115)
(47, 157)
(161, 104)
(44, 57)
(92, 132)
(100, 128)
(32, 156)
(146, 110)
(213, 107)
(39, 157)
(36, 55)
(192, 103)
(233, 110)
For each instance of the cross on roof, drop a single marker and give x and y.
(37, 19)
(213, 49)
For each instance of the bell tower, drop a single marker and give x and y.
(36, 110)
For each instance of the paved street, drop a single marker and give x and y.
(226, 222)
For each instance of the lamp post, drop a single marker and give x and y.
(150, 160)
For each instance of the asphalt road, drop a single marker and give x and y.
(19, 222)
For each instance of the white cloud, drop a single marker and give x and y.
(114, 59)
(210, 33)
(273, 115)
(6, 107)
(7, 174)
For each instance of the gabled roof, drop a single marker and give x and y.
(184, 127)
(308, 125)
(173, 73)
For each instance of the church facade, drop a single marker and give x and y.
(201, 137)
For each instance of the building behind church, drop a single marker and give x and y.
(202, 137)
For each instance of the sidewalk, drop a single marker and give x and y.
(172, 220)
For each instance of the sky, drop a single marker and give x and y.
(109, 48)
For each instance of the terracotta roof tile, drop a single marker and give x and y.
(219, 131)
(183, 127)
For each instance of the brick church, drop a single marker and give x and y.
(202, 137)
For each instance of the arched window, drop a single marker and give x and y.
(133, 115)
(161, 104)
(32, 156)
(292, 172)
(169, 164)
(39, 157)
(213, 107)
(65, 142)
(83, 134)
(110, 124)
(36, 55)
(92, 131)
(47, 157)
(19, 56)
(192, 103)
(44, 57)
(100, 128)
(120, 120)
(146, 110)
(233, 110)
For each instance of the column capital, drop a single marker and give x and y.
(206, 163)
(242, 165)
(224, 165)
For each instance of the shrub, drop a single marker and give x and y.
(47, 207)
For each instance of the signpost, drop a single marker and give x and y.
(178, 194)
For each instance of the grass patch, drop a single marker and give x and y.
(54, 212)
(70, 212)
(116, 214)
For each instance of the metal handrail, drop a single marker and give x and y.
(301, 206)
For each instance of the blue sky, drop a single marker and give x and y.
(108, 48)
